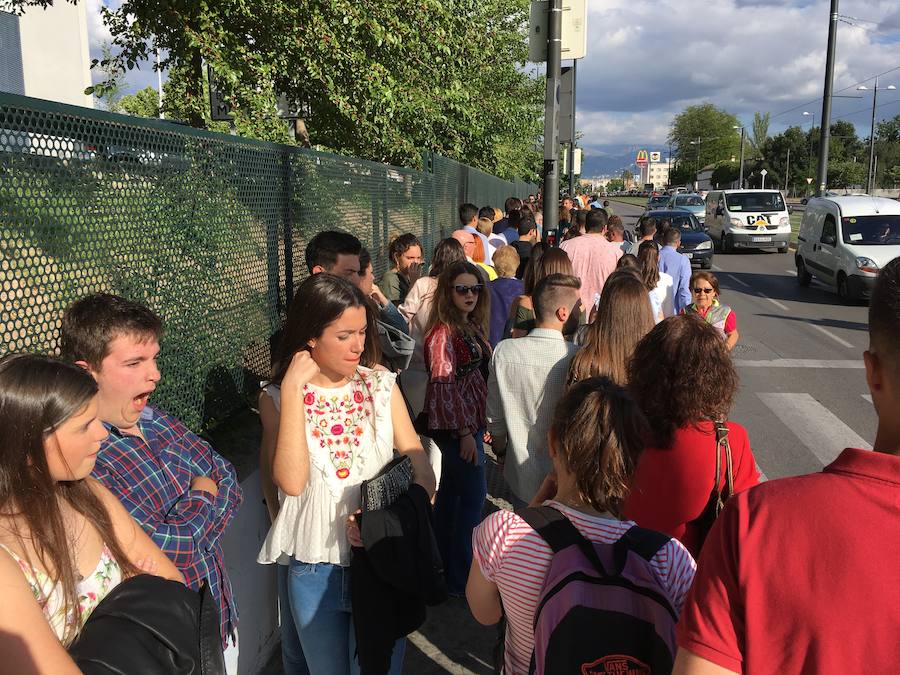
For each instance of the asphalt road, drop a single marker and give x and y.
(803, 395)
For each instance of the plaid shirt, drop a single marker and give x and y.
(153, 479)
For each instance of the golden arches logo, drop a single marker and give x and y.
(641, 158)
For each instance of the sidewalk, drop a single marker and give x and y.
(450, 640)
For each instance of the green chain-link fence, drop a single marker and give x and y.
(206, 229)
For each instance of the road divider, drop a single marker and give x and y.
(801, 363)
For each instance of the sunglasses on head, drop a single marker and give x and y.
(465, 290)
(704, 290)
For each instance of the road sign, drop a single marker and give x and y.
(763, 173)
(566, 98)
(655, 156)
(641, 159)
(574, 30)
(577, 161)
(809, 181)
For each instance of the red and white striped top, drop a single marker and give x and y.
(515, 557)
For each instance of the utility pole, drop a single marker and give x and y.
(551, 115)
(825, 132)
(787, 173)
(741, 172)
(572, 142)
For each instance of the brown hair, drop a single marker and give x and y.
(37, 395)
(884, 313)
(446, 252)
(628, 261)
(534, 261)
(443, 310)
(552, 291)
(597, 431)
(682, 374)
(506, 261)
(648, 257)
(90, 324)
(553, 261)
(400, 245)
(706, 276)
(623, 318)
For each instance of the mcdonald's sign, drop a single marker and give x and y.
(641, 160)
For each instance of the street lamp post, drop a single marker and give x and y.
(870, 177)
(811, 127)
(741, 171)
(697, 143)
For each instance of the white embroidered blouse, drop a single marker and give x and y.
(350, 435)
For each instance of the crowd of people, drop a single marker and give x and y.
(599, 374)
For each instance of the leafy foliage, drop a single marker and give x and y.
(701, 135)
(144, 103)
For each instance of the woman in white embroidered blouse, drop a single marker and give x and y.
(328, 424)
(65, 540)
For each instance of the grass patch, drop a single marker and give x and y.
(634, 201)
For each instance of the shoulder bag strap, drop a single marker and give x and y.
(723, 444)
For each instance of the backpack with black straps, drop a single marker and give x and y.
(601, 608)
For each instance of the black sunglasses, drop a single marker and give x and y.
(704, 290)
(464, 290)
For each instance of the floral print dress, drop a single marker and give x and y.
(91, 590)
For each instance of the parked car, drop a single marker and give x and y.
(844, 241)
(695, 242)
(748, 219)
(689, 202)
(657, 202)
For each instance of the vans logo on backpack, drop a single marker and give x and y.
(602, 609)
(617, 664)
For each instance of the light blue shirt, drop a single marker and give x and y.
(678, 267)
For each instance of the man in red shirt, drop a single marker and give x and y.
(801, 575)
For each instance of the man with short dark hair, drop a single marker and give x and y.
(593, 258)
(504, 226)
(801, 574)
(336, 253)
(468, 219)
(677, 266)
(615, 232)
(527, 377)
(528, 235)
(181, 491)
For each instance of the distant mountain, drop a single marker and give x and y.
(596, 164)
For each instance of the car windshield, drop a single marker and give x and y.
(691, 200)
(658, 200)
(754, 201)
(871, 230)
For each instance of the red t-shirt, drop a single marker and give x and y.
(801, 575)
(671, 486)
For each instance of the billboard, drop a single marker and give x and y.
(641, 159)
(655, 157)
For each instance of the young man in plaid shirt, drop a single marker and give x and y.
(172, 482)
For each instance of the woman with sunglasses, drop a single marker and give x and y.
(705, 292)
(457, 354)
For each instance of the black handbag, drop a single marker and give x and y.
(383, 490)
(720, 493)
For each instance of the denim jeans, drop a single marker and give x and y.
(458, 508)
(320, 604)
(292, 658)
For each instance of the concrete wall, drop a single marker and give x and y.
(55, 55)
(254, 584)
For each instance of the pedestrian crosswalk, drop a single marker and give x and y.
(819, 429)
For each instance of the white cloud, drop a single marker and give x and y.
(741, 55)
(98, 33)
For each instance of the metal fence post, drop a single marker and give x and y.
(288, 232)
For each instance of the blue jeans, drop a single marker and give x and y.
(458, 508)
(320, 603)
(292, 657)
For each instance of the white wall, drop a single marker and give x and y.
(55, 54)
(254, 584)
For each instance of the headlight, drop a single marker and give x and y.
(737, 222)
(866, 265)
(784, 221)
(704, 245)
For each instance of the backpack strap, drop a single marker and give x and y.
(559, 532)
(646, 543)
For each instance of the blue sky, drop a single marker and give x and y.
(649, 59)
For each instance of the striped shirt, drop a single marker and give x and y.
(515, 558)
(152, 479)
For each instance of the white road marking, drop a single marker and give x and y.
(780, 305)
(800, 363)
(739, 281)
(839, 340)
(814, 425)
(793, 272)
(868, 397)
(762, 477)
(717, 268)
(432, 651)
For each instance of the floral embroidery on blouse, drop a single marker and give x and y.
(337, 421)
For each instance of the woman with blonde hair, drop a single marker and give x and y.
(504, 289)
(457, 355)
(623, 318)
(521, 312)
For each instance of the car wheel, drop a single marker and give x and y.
(803, 277)
(843, 288)
(783, 249)
(726, 246)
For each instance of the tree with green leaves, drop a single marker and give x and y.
(378, 80)
(760, 134)
(110, 95)
(701, 135)
(144, 103)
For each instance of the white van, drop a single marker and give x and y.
(748, 219)
(844, 241)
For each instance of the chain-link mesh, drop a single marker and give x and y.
(206, 229)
